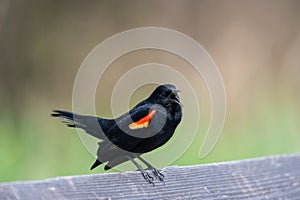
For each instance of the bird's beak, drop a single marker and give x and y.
(177, 90)
(177, 97)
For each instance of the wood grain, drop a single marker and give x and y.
(276, 177)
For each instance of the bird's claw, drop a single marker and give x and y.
(158, 174)
(148, 178)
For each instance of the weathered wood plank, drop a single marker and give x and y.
(276, 177)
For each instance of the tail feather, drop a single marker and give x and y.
(96, 164)
(115, 162)
(68, 118)
(91, 125)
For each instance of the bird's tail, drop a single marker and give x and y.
(71, 119)
(92, 125)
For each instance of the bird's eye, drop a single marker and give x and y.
(172, 96)
(167, 93)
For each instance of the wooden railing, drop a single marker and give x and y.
(276, 177)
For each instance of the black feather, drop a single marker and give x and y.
(96, 164)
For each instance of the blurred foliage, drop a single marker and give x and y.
(255, 44)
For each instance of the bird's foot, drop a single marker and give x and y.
(148, 177)
(158, 174)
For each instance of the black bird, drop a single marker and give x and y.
(149, 125)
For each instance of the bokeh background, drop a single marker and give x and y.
(255, 44)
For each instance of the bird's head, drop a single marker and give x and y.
(165, 95)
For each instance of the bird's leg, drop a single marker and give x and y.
(155, 171)
(146, 176)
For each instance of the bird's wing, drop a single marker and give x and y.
(133, 127)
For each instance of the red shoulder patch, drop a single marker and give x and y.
(144, 122)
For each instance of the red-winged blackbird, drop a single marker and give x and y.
(149, 125)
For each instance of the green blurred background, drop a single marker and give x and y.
(255, 44)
